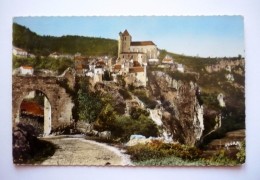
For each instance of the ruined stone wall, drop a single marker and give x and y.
(61, 103)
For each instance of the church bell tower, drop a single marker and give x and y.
(124, 42)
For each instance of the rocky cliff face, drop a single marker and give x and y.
(182, 111)
(226, 65)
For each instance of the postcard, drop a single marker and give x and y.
(128, 91)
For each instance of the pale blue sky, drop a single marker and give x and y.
(214, 36)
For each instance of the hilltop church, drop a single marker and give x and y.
(132, 58)
(128, 48)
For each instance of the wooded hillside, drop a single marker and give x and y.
(44, 45)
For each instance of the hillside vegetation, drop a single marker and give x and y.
(44, 45)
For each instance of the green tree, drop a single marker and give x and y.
(89, 106)
(106, 118)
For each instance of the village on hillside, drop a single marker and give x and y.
(158, 108)
(132, 61)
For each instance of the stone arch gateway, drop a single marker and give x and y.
(58, 103)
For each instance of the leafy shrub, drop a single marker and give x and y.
(121, 80)
(210, 100)
(125, 126)
(135, 113)
(158, 149)
(182, 76)
(149, 103)
(106, 118)
(125, 94)
(142, 152)
(169, 161)
(220, 158)
(241, 155)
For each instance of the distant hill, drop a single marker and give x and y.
(44, 45)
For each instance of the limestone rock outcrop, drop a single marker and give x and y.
(225, 65)
(24, 136)
(26, 145)
(221, 100)
(183, 113)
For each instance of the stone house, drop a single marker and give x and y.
(137, 76)
(167, 60)
(153, 61)
(19, 52)
(54, 55)
(95, 69)
(180, 68)
(81, 64)
(26, 70)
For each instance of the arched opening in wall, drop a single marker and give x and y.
(35, 109)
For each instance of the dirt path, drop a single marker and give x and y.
(78, 151)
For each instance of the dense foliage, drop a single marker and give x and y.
(158, 149)
(99, 108)
(159, 153)
(56, 65)
(45, 45)
(88, 103)
(186, 77)
(143, 96)
(125, 126)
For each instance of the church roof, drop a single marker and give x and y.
(142, 43)
(125, 33)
